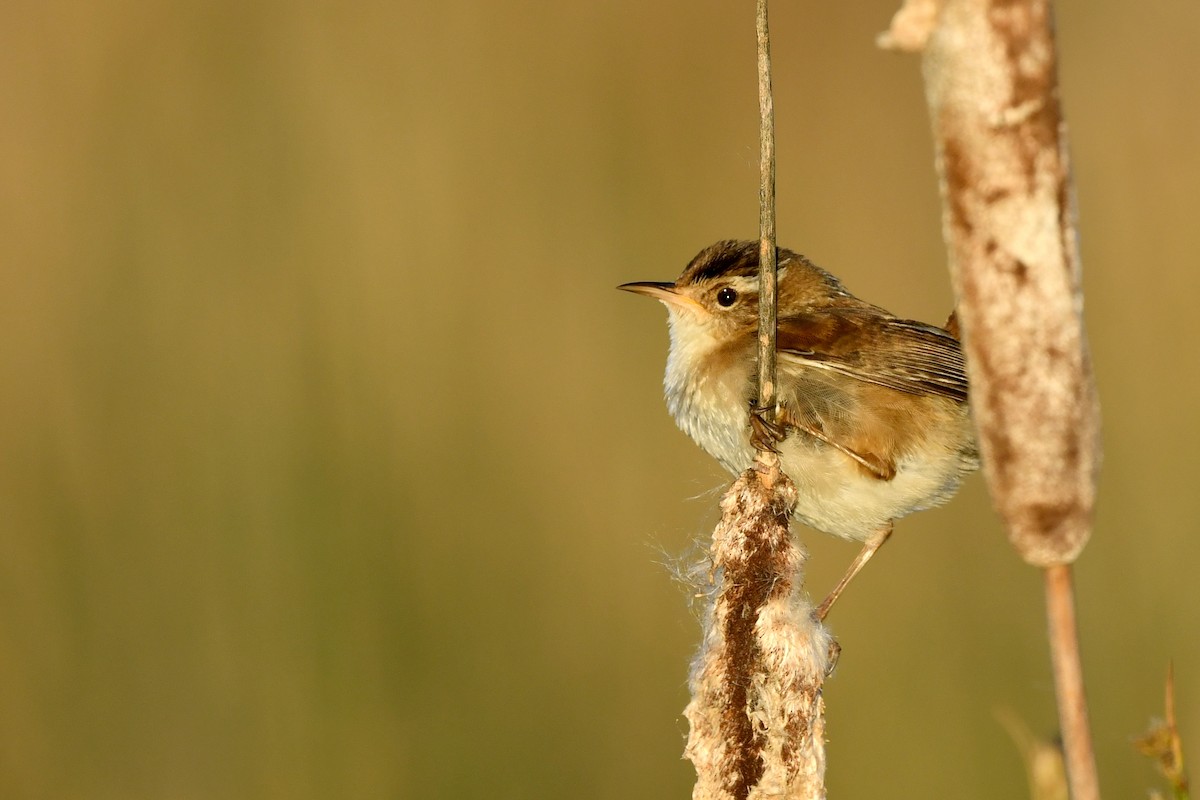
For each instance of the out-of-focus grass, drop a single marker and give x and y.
(333, 467)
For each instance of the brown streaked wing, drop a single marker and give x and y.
(870, 346)
(879, 463)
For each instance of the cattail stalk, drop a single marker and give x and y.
(757, 718)
(1008, 217)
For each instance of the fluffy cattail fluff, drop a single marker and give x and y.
(756, 715)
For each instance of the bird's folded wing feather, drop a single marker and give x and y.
(899, 354)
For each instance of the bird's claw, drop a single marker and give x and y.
(835, 652)
(765, 432)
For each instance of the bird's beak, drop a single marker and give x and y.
(663, 292)
(657, 290)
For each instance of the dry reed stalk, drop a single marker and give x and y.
(757, 719)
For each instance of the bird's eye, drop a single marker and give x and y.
(726, 297)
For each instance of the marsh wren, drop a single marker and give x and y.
(872, 408)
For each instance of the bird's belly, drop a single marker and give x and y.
(834, 493)
(836, 496)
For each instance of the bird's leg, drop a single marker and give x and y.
(869, 547)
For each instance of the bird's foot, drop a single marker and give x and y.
(765, 431)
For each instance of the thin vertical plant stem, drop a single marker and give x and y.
(1079, 754)
(757, 716)
(767, 298)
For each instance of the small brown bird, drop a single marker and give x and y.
(873, 407)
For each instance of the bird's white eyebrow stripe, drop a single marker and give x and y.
(747, 284)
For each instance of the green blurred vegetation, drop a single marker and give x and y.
(333, 467)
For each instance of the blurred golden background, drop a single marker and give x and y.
(333, 466)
